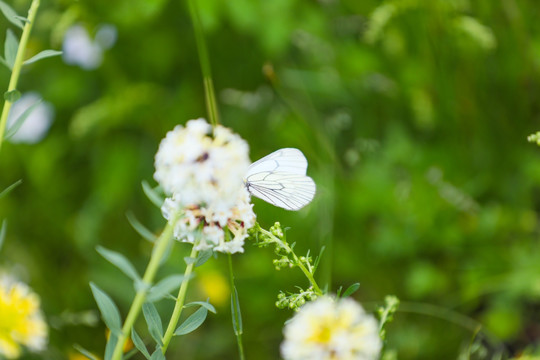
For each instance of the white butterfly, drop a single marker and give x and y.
(280, 179)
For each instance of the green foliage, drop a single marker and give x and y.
(3, 230)
(192, 322)
(10, 14)
(139, 344)
(21, 119)
(386, 313)
(108, 309)
(140, 228)
(153, 320)
(413, 116)
(121, 262)
(42, 55)
(11, 46)
(164, 287)
(10, 188)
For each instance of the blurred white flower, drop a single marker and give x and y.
(328, 329)
(36, 125)
(81, 50)
(106, 36)
(21, 320)
(202, 168)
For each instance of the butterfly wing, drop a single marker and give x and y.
(287, 160)
(280, 179)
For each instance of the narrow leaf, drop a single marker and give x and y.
(152, 195)
(139, 344)
(205, 304)
(109, 311)
(164, 287)
(236, 313)
(42, 55)
(3, 230)
(140, 228)
(192, 322)
(157, 355)
(109, 348)
(23, 19)
(338, 293)
(12, 95)
(85, 352)
(351, 290)
(10, 48)
(203, 257)
(120, 261)
(10, 14)
(130, 354)
(10, 188)
(20, 120)
(155, 328)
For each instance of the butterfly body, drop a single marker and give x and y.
(280, 179)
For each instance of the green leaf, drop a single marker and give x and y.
(236, 313)
(20, 120)
(12, 95)
(111, 344)
(205, 304)
(23, 19)
(155, 328)
(10, 14)
(164, 287)
(190, 260)
(3, 230)
(139, 344)
(10, 188)
(140, 228)
(85, 352)
(109, 311)
(192, 322)
(42, 55)
(10, 48)
(4, 62)
(152, 194)
(203, 257)
(120, 261)
(157, 355)
(351, 290)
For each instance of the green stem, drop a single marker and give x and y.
(179, 302)
(16, 71)
(306, 272)
(161, 246)
(211, 103)
(235, 310)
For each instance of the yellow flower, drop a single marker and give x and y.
(328, 329)
(215, 286)
(21, 321)
(128, 345)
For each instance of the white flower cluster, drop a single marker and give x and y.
(201, 170)
(328, 329)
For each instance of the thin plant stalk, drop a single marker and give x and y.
(162, 243)
(235, 311)
(19, 59)
(210, 96)
(307, 272)
(179, 305)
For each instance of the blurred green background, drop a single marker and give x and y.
(413, 115)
